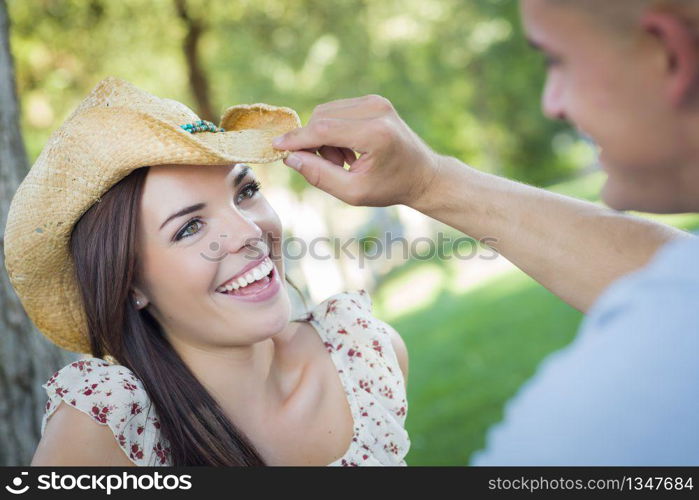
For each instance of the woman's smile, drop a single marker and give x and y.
(260, 289)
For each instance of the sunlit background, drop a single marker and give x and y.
(459, 73)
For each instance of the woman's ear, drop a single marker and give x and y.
(679, 43)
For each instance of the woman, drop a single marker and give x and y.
(194, 359)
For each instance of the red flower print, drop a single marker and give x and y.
(135, 408)
(100, 414)
(342, 331)
(330, 307)
(130, 387)
(363, 384)
(376, 345)
(352, 353)
(363, 323)
(61, 391)
(136, 452)
(391, 447)
(139, 430)
(161, 452)
(386, 391)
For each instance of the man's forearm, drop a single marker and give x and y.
(572, 247)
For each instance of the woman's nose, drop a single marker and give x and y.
(240, 231)
(552, 99)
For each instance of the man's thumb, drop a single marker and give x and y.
(319, 172)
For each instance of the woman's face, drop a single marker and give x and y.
(185, 258)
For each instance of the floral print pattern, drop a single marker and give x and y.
(359, 346)
(112, 395)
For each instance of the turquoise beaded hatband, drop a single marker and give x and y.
(201, 126)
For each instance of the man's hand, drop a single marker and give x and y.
(394, 165)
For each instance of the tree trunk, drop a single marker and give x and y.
(198, 82)
(27, 358)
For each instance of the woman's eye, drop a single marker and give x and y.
(249, 191)
(184, 233)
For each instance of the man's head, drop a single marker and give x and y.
(626, 73)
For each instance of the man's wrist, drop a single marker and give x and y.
(423, 197)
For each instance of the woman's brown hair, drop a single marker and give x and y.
(104, 249)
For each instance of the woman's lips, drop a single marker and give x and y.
(258, 291)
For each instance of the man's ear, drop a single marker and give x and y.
(679, 44)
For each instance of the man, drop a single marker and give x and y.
(626, 73)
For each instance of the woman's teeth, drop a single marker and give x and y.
(255, 274)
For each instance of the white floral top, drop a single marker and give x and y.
(359, 346)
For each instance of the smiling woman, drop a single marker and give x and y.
(168, 271)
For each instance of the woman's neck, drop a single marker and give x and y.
(241, 376)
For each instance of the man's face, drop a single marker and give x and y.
(611, 87)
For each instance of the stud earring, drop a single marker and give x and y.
(138, 302)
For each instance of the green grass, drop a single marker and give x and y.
(471, 352)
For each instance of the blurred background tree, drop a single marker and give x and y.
(26, 357)
(461, 75)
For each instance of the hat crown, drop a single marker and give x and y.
(115, 92)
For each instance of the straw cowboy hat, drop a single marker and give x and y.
(115, 130)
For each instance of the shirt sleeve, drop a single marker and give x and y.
(113, 396)
(625, 391)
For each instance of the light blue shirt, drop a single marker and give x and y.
(626, 390)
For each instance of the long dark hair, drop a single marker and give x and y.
(104, 250)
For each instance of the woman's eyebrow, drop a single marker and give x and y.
(187, 210)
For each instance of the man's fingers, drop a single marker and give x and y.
(320, 172)
(336, 132)
(352, 102)
(335, 155)
(350, 156)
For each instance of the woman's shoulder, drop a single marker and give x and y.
(347, 324)
(341, 304)
(112, 395)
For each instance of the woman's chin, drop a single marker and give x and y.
(267, 317)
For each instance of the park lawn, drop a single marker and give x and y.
(471, 352)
